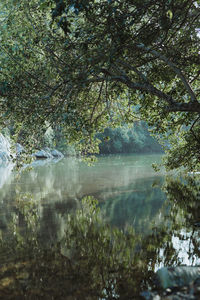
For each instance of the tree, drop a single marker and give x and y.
(88, 64)
(128, 140)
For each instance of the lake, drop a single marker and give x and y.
(36, 205)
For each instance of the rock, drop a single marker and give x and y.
(47, 153)
(7, 153)
(4, 156)
(56, 153)
(174, 277)
(42, 154)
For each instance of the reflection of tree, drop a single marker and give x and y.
(92, 260)
(41, 184)
(177, 240)
(136, 204)
(185, 194)
(5, 192)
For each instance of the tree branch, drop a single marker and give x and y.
(96, 102)
(171, 65)
(149, 88)
(144, 87)
(191, 129)
(187, 107)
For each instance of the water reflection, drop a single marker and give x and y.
(183, 194)
(136, 204)
(115, 181)
(46, 251)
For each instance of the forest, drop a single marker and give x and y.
(87, 65)
(136, 139)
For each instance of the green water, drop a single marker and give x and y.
(38, 238)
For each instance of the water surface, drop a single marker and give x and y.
(53, 244)
(121, 183)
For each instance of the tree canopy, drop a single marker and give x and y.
(86, 65)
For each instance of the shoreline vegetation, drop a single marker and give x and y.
(121, 140)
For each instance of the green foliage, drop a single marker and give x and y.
(126, 139)
(87, 65)
(184, 149)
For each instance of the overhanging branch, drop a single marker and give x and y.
(146, 83)
(149, 88)
(171, 65)
(187, 107)
(144, 87)
(191, 129)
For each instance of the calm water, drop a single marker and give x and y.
(121, 183)
(164, 213)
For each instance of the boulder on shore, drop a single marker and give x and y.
(7, 153)
(48, 154)
(42, 154)
(56, 153)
